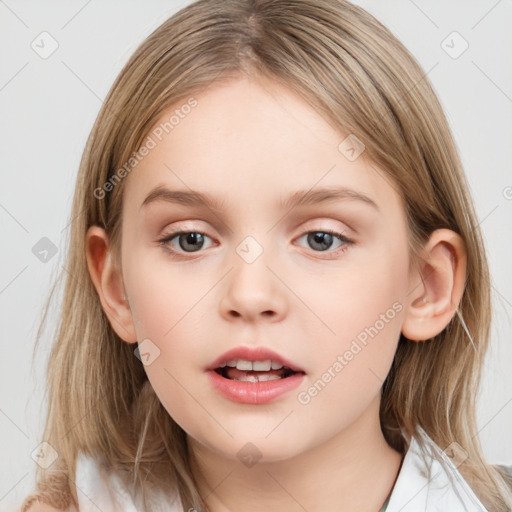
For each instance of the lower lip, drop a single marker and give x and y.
(254, 392)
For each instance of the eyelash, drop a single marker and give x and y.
(165, 242)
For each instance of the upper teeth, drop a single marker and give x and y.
(258, 366)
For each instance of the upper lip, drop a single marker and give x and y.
(253, 354)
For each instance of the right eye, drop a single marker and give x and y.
(187, 242)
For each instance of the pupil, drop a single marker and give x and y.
(192, 239)
(319, 237)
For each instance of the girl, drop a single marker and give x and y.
(323, 348)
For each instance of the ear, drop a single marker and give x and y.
(107, 280)
(436, 287)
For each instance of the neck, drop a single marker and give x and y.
(355, 470)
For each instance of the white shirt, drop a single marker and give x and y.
(428, 482)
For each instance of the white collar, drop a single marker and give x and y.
(428, 482)
(100, 490)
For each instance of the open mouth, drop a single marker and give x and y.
(233, 373)
(259, 378)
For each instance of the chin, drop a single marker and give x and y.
(253, 447)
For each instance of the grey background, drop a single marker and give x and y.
(48, 107)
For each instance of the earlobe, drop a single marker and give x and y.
(107, 280)
(436, 287)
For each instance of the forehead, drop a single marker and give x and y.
(246, 141)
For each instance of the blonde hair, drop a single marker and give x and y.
(355, 73)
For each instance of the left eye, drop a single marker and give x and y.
(322, 240)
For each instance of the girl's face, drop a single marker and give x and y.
(259, 269)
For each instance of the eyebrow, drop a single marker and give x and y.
(298, 198)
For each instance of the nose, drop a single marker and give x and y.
(252, 291)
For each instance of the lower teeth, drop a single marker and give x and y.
(258, 378)
(253, 376)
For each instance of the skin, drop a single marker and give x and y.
(251, 142)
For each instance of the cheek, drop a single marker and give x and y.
(162, 298)
(166, 311)
(356, 295)
(362, 314)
